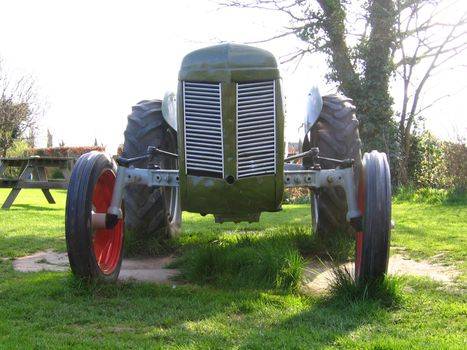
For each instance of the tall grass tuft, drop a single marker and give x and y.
(245, 262)
(135, 245)
(386, 291)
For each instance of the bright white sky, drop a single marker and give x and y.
(92, 60)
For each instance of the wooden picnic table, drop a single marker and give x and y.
(32, 174)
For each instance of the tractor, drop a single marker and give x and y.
(217, 147)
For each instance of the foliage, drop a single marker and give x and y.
(371, 44)
(437, 164)
(64, 151)
(426, 165)
(455, 157)
(19, 110)
(18, 149)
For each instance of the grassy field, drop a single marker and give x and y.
(54, 310)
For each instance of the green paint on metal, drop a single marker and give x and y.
(230, 197)
(228, 63)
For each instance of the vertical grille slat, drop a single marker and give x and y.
(203, 128)
(256, 111)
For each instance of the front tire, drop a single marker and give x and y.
(94, 254)
(151, 212)
(374, 197)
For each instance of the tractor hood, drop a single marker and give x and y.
(229, 62)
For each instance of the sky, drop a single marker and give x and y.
(93, 60)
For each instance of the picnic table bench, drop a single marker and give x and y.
(32, 174)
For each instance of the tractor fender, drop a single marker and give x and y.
(169, 109)
(313, 107)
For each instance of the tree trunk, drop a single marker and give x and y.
(376, 109)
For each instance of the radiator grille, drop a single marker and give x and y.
(256, 127)
(203, 129)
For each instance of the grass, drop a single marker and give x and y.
(32, 224)
(244, 262)
(386, 291)
(54, 310)
(426, 230)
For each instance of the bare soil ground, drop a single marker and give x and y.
(318, 274)
(144, 269)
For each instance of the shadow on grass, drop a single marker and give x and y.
(136, 246)
(140, 315)
(257, 261)
(49, 207)
(22, 245)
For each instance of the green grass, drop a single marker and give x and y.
(425, 231)
(32, 224)
(386, 291)
(246, 261)
(54, 310)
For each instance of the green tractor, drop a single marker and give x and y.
(217, 147)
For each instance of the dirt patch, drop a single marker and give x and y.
(318, 274)
(145, 269)
(42, 261)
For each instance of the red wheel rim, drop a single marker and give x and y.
(107, 243)
(359, 243)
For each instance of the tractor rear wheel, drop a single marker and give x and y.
(374, 197)
(336, 135)
(151, 212)
(94, 253)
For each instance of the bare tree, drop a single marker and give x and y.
(369, 42)
(358, 56)
(427, 46)
(19, 110)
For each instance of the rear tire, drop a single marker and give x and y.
(151, 212)
(336, 135)
(374, 196)
(95, 254)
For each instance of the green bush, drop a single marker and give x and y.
(427, 167)
(455, 156)
(19, 149)
(437, 164)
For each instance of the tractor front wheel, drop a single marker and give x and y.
(95, 253)
(374, 197)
